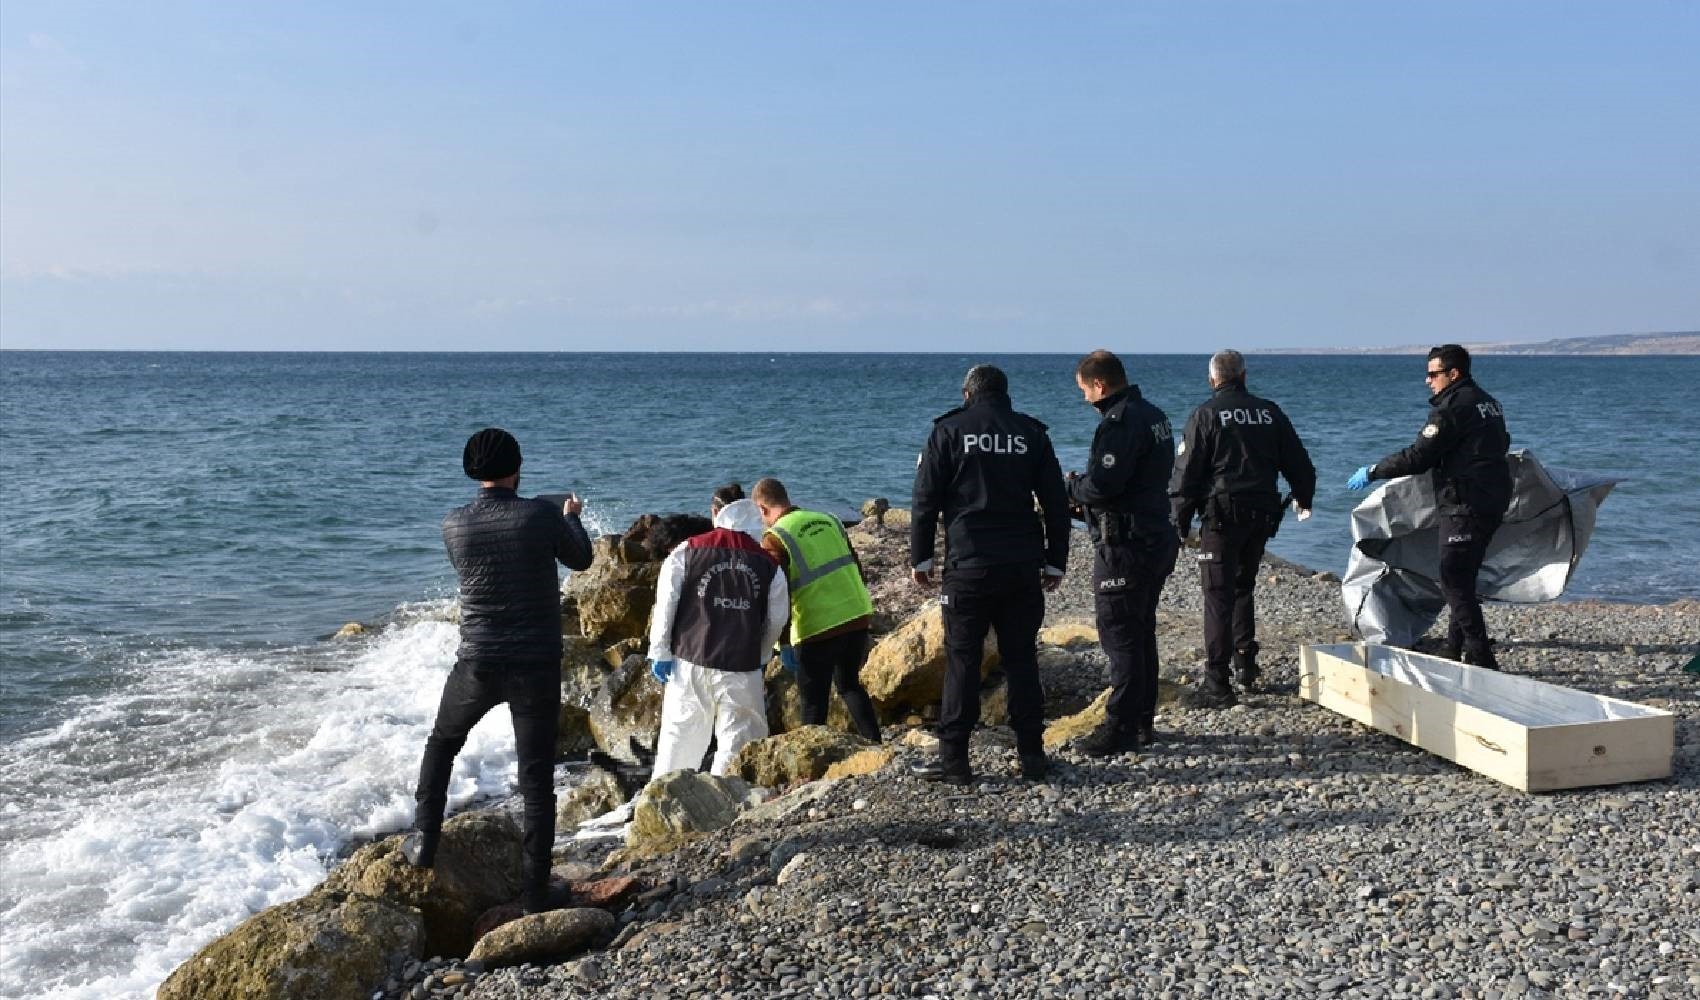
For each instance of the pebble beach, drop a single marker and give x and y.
(1272, 850)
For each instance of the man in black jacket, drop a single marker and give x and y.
(1123, 496)
(1232, 449)
(981, 469)
(1462, 446)
(504, 547)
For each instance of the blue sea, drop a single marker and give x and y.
(182, 533)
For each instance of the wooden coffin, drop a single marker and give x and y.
(1532, 735)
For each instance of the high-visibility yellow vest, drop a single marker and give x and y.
(826, 588)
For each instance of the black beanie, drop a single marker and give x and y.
(490, 454)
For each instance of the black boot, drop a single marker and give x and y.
(1109, 739)
(1246, 673)
(1480, 656)
(1034, 766)
(542, 899)
(944, 771)
(1214, 693)
(420, 848)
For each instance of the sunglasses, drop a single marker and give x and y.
(1435, 373)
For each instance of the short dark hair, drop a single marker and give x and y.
(1102, 366)
(771, 492)
(985, 378)
(725, 495)
(1451, 356)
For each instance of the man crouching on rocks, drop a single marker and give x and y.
(720, 603)
(504, 547)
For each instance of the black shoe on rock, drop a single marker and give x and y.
(419, 850)
(943, 772)
(1108, 740)
(1034, 766)
(1210, 696)
(1148, 736)
(555, 897)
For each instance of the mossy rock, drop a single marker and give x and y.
(797, 756)
(325, 944)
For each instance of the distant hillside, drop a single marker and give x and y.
(1617, 343)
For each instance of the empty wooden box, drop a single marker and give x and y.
(1532, 735)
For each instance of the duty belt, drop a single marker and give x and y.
(1116, 527)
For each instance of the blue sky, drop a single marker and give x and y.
(845, 176)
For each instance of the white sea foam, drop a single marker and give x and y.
(160, 816)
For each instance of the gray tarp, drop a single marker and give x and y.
(1391, 587)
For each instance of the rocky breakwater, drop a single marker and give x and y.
(1274, 850)
(375, 919)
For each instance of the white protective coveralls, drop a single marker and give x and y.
(699, 701)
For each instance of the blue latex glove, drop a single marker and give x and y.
(788, 659)
(662, 669)
(1359, 480)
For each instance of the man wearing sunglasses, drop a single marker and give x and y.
(1462, 447)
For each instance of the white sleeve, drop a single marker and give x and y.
(668, 586)
(778, 610)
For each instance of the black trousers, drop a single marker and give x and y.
(533, 696)
(1009, 601)
(1464, 542)
(1228, 560)
(1127, 580)
(836, 661)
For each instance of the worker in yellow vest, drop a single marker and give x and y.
(831, 611)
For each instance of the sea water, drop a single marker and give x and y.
(184, 745)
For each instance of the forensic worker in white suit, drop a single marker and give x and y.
(720, 605)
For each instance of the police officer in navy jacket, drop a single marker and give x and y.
(1123, 495)
(1234, 446)
(983, 466)
(1462, 447)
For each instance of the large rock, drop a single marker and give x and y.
(544, 937)
(785, 704)
(607, 697)
(573, 734)
(994, 703)
(325, 944)
(676, 808)
(1070, 634)
(627, 710)
(583, 669)
(800, 755)
(1072, 727)
(905, 670)
(597, 793)
(613, 596)
(869, 761)
(657, 534)
(478, 867)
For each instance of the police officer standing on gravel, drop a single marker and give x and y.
(1123, 495)
(981, 469)
(1462, 446)
(1232, 449)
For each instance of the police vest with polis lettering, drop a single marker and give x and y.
(978, 476)
(723, 601)
(1232, 450)
(1462, 446)
(826, 586)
